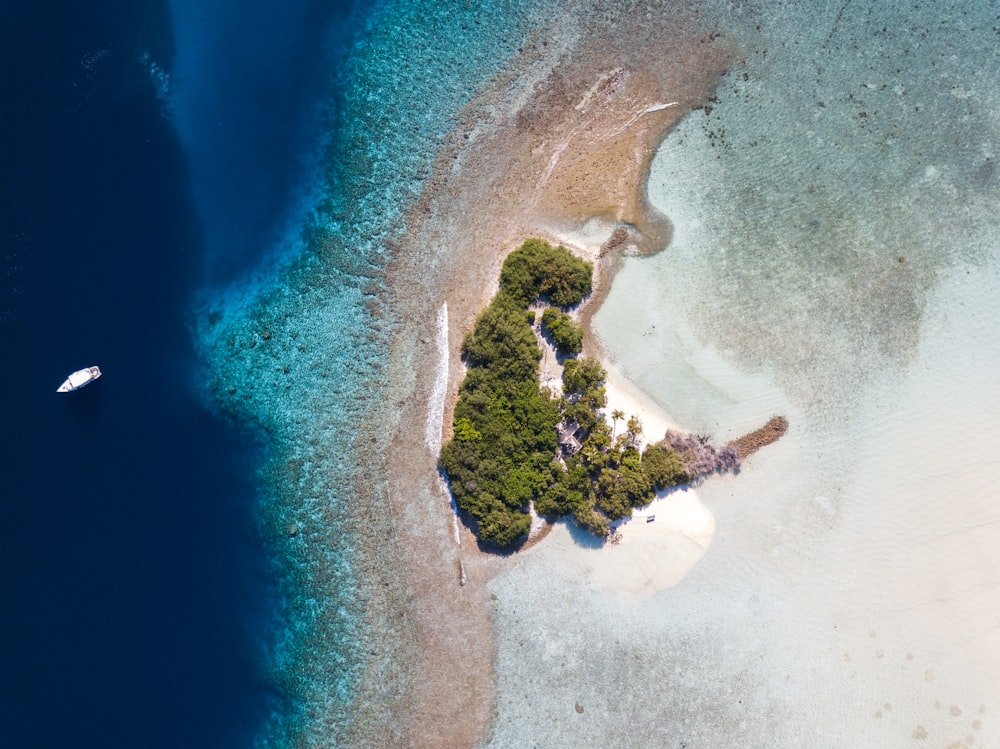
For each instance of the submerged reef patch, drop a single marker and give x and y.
(300, 353)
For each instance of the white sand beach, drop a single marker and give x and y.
(660, 544)
(658, 547)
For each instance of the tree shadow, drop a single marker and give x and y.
(581, 536)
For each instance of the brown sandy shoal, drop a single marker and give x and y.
(771, 432)
(564, 135)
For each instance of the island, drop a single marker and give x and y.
(518, 446)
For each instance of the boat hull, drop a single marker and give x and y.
(80, 378)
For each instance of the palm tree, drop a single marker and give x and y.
(634, 430)
(615, 415)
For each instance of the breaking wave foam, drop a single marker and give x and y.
(435, 409)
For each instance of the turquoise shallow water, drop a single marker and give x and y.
(834, 259)
(296, 346)
(846, 164)
(848, 135)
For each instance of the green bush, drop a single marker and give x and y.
(583, 376)
(595, 522)
(503, 342)
(465, 430)
(663, 466)
(537, 270)
(565, 334)
(569, 488)
(504, 527)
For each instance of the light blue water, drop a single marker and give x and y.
(845, 598)
(300, 212)
(310, 132)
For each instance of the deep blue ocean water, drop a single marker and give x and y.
(135, 592)
(169, 577)
(155, 157)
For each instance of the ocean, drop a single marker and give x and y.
(139, 596)
(210, 199)
(168, 170)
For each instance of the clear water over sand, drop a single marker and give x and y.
(835, 259)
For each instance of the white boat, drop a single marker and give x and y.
(80, 378)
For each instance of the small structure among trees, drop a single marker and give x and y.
(568, 441)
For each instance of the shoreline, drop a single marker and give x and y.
(516, 132)
(750, 643)
(661, 542)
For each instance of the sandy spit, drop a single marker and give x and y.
(558, 143)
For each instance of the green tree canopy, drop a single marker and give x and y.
(566, 335)
(663, 466)
(537, 270)
(504, 454)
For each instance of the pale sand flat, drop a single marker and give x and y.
(649, 557)
(663, 541)
(626, 397)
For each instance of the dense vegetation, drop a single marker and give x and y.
(537, 270)
(505, 424)
(606, 476)
(514, 443)
(565, 334)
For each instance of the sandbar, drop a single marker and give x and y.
(562, 137)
